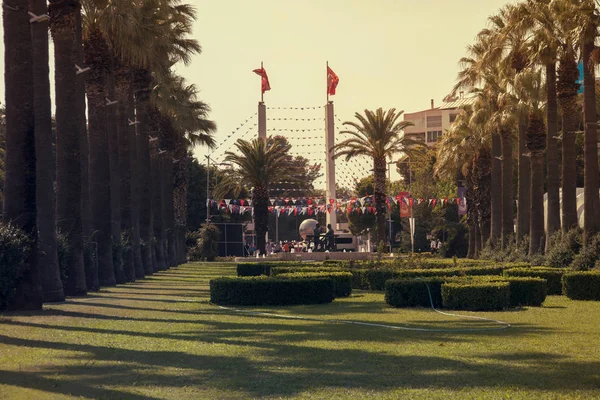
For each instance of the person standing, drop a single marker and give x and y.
(316, 234)
(329, 236)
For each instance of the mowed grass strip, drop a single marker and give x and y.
(159, 338)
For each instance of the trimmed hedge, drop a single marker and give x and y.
(276, 271)
(476, 296)
(552, 275)
(253, 269)
(447, 272)
(413, 292)
(270, 291)
(342, 281)
(526, 291)
(582, 285)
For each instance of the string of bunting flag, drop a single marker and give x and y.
(295, 108)
(317, 205)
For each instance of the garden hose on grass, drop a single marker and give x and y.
(503, 325)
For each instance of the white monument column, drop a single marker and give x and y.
(330, 163)
(262, 121)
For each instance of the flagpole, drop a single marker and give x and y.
(262, 94)
(327, 79)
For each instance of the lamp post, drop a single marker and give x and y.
(411, 219)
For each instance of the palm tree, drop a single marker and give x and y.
(63, 25)
(377, 135)
(47, 257)
(259, 164)
(20, 169)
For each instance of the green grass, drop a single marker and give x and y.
(159, 338)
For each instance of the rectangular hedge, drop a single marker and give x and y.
(270, 291)
(253, 269)
(583, 285)
(552, 275)
(413, 292)
(342, 281)
(476, 296)
(277, 270)
(527, 291)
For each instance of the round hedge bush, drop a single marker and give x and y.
(413, 292)
(342, 281)
(525, 291)
(582, 285)
(255, 291)
(476, 296)
(553, 276)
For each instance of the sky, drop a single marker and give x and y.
(387, 53)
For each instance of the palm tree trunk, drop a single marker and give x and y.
(170, 217)
(20, 168)
(122, 90)
(63, 26)
(47, 257)
(159, 232)
(96, 55)
(507, 187)
(180, 182)
(496, 191)
(136, 245)
(552, 175)
(536, 233)
(567, 100)
(260, 202)
(379, 171)
(524, 181)
(536, 143)
(591, 201)
(142, 82)
(115, 178)
(89, 249)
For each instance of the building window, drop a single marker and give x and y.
(434, 121)
(433, 136)
(453, 117)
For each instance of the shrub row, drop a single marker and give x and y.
(476, 296)
(583, 285)
(414, 293)
(253, 269)
(342, 281)
(255, 291)
(552, 275)
(276, 271)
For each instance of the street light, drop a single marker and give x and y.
(390, 209)
(411, 219)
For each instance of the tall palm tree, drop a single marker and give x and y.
(545, 45)
(47, 257)
(63, 25)
(259, 164)
(377, 135)
(20, 169)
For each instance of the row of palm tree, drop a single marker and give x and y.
(512, 71)
(120, 164)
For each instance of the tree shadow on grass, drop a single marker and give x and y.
(289, 368)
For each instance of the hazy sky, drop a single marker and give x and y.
(387, 53)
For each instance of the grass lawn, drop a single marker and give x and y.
(159, 338)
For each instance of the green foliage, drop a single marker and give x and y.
(277, 270)
(467, 271)
(207, 248)
(527, 291)
(63, 249)
(588, 255)
(15, 247)
(342, 281)
(476, 295)
(270, 291)
(253, 269)
(582, 285)
(552, 275)
(562, 251)
(413, 292)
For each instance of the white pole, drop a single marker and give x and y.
(207, 189)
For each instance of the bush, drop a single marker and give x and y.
(562, 250)
(375, 278)
(527, 291)
(480, 270)
(277, 270)
(553, 276)
(253, 269)
(63, 249)
(14, 251)
(207, 247)
(270, 291)
(586, 259)
(359, 279)
(342, 281)
(413, 292)
(476, 296)
(584, 285)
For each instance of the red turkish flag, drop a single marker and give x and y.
(265, 79)
(332, 81)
